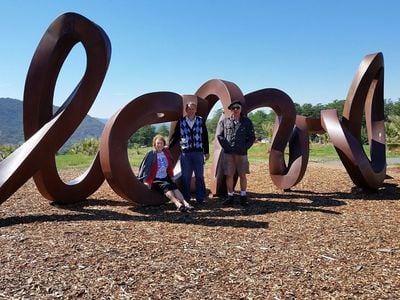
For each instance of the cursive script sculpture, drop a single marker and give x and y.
(46, 132)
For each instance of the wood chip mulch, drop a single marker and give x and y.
(324, 239)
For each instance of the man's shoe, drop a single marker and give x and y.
(244, 201)
(228, 201)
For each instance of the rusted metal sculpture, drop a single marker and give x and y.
(365, 94)
(147, 109)
(226, 92)
(46, 133)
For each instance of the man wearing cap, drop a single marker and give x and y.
(236, 136)
(191, 133)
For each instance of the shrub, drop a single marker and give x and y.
(6, 150)
(88, 146)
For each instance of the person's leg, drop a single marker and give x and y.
(229, 184)
(243, 182)
(178, 195)
(171, 196)
(186, 171)
(198, 166)
(243, 169)
(243, 187)
(229, 187)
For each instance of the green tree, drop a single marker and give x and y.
(336, 104)
(163, 130)
(298, 108)
(259, 118)
(143, 137)
(6, 150)
(213, 123)
(392, 108)
(268, 128)
(392, 129)
(307, 110)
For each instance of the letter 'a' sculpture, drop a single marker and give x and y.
(46, 132)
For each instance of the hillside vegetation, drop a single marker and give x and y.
(11, 125)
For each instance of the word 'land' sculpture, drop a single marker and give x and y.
(46, 132)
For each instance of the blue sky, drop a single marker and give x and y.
(309, 49)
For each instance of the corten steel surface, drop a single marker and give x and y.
(365, 93)
(285, 131)
(46, 132)
(227, 92)
(147, 109)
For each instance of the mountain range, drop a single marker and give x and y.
(11, 125)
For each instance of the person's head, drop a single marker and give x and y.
(235, 108)
(159, 142)
(191, 109)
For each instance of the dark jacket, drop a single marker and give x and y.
(236, 137)
(193, 139)
(148, 167)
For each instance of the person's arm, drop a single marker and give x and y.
(251, 137)
(144, 167)
(176, 136)
(148, 169)
(204, 138)
(221, 137)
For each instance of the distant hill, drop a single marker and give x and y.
(102, 120)
(11, 128)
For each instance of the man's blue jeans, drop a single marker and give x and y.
(193, 162)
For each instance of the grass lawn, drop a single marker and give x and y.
(82, 161)
(257, 153)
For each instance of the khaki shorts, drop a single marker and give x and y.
(234, 162)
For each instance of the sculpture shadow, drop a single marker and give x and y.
(389, 191)
(213, 213)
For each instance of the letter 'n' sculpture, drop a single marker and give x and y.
(45, 131)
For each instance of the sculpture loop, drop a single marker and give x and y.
(226, 92)
(146, 109)
(365, 94)
(47, 133)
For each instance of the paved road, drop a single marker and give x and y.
(390, 161)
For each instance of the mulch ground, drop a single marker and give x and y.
(324, 239)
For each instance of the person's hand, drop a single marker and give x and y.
(207, 156)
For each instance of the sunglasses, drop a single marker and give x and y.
(235, 107)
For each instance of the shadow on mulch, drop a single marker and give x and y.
(211, 214)
(389, 191)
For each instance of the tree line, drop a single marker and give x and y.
(263, 122)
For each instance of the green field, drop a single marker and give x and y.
(257, 153)
(82, 161)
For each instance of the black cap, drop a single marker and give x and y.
(235, 103)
